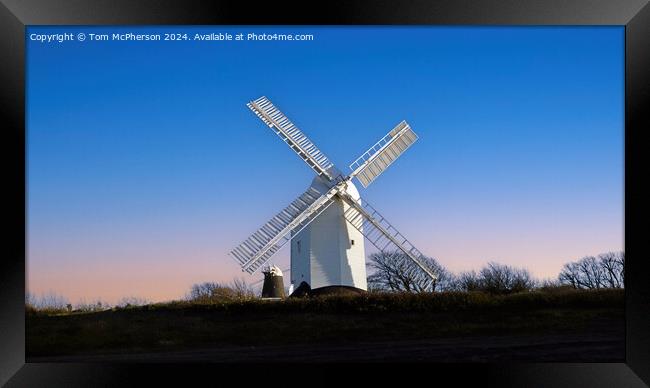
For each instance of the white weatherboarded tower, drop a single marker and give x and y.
(328, 223)
(330, 250)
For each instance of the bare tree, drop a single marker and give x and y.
(242, 289)
(604, 271)
(395, 271)
(613, 265)
(210, 291)
(592, 273)
(502, 279)
(467, 281)
(496, 279)
(570, 275)
(238, 289)
(46, 301)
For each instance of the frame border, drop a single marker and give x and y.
(15, 15)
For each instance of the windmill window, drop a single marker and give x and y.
(298, 245)
(352, 242)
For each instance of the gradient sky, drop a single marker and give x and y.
(145, 167)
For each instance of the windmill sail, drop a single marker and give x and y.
(381, 155)
(381, 233)
(257, 249)
(367, 223)
(291, 135)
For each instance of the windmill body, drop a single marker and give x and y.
(330, 250)
(329, 223)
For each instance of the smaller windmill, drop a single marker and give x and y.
(327, 224)
(273, 287)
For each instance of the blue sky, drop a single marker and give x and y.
(145, 167)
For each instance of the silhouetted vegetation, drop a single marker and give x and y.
(605, 271)
(48, 303)
(394, 271)
(54, 304)
(392, 279)
(385, 316)
(395, 302)
(91, 307)
(495, 278)
(132, 301)
(498, 300)
(211, 292)
(553, 285)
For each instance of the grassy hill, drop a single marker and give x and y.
(329, 321)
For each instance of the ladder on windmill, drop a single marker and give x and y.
(381, 233)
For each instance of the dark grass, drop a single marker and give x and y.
(327, 320)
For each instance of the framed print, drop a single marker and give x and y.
(200, 190)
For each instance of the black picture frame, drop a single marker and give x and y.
(15, 15)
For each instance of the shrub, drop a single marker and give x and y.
(211, 292)
(495, 278)
(91, 307)
(132, 301)
(47, 303)
(503, 279)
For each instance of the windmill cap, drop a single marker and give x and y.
(274, 271)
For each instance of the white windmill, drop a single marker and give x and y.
(328, 222)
